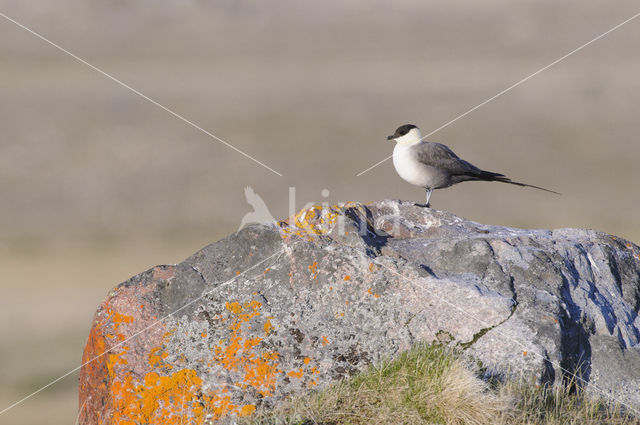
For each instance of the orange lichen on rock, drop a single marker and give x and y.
(155, 360)
(115, 359)
(370, 292)
(239, 354)
(313, 268)
(173, 399)
(247, 410)
(161, 396)
(267, 327)
(156, 388)
(118, 318)
(158, 398)
(296, 373)
(308, 223)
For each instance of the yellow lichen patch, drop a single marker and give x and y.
(325, 340)
(347, 277)
(372, 267)
(113, 360)
(164, 397)
(261, 373)
(240, 354)
(173, 399)
(308, 223)
(234, 307)
(296, 373)
(118, 319)
(155, 359)
(307, 360)
(247, 410)
(314, 267)
(267, 327)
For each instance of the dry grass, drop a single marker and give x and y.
(435, 385)
(425, 385)
(561, 406)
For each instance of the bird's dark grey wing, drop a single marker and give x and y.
(440, 156)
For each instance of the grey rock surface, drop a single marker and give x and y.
(295, 305)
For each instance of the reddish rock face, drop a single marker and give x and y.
(120, 348)
(275, 310)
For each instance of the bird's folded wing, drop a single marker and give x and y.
(440, 156)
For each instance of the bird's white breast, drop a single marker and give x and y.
(408, 167)
(405, 160)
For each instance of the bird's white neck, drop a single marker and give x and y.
(411, 138)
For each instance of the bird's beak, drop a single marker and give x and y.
(389, 137)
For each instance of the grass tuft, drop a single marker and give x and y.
(433, 384)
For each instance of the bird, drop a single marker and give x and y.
(435, 166)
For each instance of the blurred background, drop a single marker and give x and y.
(97, 184)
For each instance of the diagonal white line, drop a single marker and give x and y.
(223, 284)
(147, 98)
(525, 79)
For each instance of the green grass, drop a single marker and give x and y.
(432, 384)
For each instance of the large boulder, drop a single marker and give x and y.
(277, 309)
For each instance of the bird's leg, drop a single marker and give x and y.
(428, 196)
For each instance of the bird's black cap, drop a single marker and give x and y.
(401, 131)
